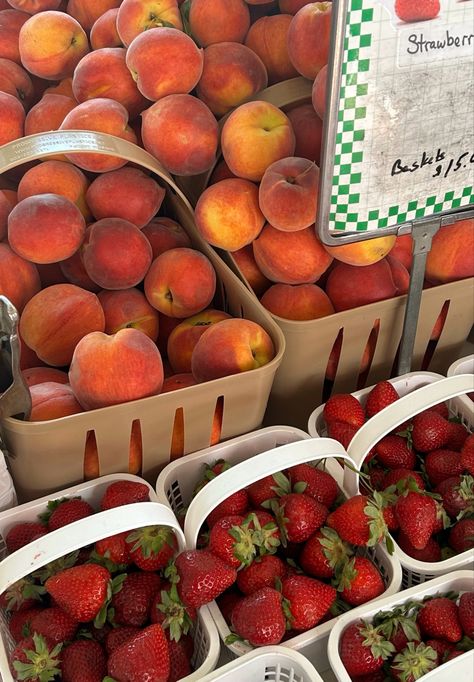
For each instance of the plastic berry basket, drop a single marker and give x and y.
(463, 366)
(459, 668)
(254, 456)
(84, 532)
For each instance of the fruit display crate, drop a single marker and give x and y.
(425, 390)
(56, 460)
(252, 457)
(86, 531)
(459, 668)
(464, 365)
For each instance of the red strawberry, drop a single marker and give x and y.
(80, 590)
(259, 617)
(114, 548)
(438, 618)
(441, 464)
(466, 613)
(363, 649)
(151, 547)
(421, 10)
(397, 627)
(454, 654)
(20, 623)
(83, 661)
(394, 453)
(430, 431)
(358, 521)
(65, 511)
(319, 484)
(360, 581)
(265, 531)
(168, 610)
(263, 572)
(415, 661)
(227, 601)
(267, 488)
(119, 493)
(376, 478)
(23, 533)
(132, 602)
(209, 474)
(180, 658)
(342, 432)
(231, 540)
(442, 648)
(143, 657)
(202, 576)
(431, 552)
(382, 395)
(458, 494)
(458, 434)
(237, 503)
(467, 455)
(322, 553)
(22, 595)
(309, 600)
(416, 514)
(35, 659)
(343, 407)
(400, 478)
(461, 535)
(298, 516)
(54, 624)
(119, 636)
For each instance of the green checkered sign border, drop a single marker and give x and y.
(350, 135)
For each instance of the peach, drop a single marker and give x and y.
(11, 20)
(104, 31)
(403, 250)
(34, 6)
(45, 228)
(176, 381)
(64, 87)
(56, 318)
(104, 116)
(183, 338)
(318, 92)
(86, 12)
(104, 73)
(230, 347)
(164, 62)
(12, 116)
(50, 273)
(180, 283)
(8, 199)
(267, 37)
(308, 38)
(351, 286)
(74, 272)
(15, 81)
(255, 135)
(292, 6)
(452, 253)
(136, 16)
(51, 400)
(228, 215)
(232, 74)
(56, 177)
(51, 44)
(400, 275)
(245, 261)
(297, 301)
(167, 324)
(26, 282)
(219, 21)
(181, 132)
(28, 357)
(290, 257)
(129, 308)
(221, 171)
(48, 113)
(308, 129)
(113, 369)
(116, 255)
(164, 234)
(40, 375)
(288, 193)
(364, 252)
(126, 193)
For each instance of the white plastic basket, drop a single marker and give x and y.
(460, 668)
(84, 532)
(463, 366)
(254, 456)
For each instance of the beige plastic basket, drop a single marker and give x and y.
(46, 456)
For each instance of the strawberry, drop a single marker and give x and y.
(298, 516)
(65, 511)
(180, 658)
(83, 661)
(226, 603)
(431, 552)
(237, 503)
(263, 572)
(398, 627)
(36, 659)
(309, 600)
(342, 432)
(265, 531)
(22, 595)
(382, 395)
(81, 590)
(119, 493)
(441, 464)
(421, 10)
(416, 514)
(231, 540)
(314, 482)
(323, 553)
(430, 431)
(363, 649)
(442, 648)
(114, 548)
(132, 602)
(259, 618)
(119, 636)
(267, 488)
(343, 407)
(415, 661)
(151, 547)
(209, 473)
(359, 521)
(458, 495)
(455, 653)
(360, 581)
(466, 613)
(458, 434)
(202, 576)
(467, 455)
(376, 478)
(143, 657)
(20, 623)
(23, 533)
(174, 617)
(54, 624)
(438, 618)
(400, 478)
(394, 453)
(461, 535)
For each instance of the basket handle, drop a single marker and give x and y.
(251, 470)
(84, 532)
(395, 414)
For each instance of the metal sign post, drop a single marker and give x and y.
(398, 156)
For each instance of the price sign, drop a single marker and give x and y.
(400, 126)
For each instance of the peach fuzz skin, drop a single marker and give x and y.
(308, 38)
(52, 400)
(363, 253)
(26, 283)
(218, 21)
(452, 253)
(56, 177)
(268, 38)
(351, 286)
(129, 308)
(136, 16)
(297, 302)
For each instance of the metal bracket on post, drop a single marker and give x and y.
(422, 234)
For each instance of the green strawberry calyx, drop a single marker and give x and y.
(177, 618)
(466, 493)
(263, 537)
(336, 550)
(17, 593)
(403, 617)
(113, 586)
(374, 639)
(66, 561)
(243, 547)
(150, 540)
(210, 474)
(414, 661)
(378, 530)
(345, 576)
(43, 663)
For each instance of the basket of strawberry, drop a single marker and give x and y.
(416, 456)
(425, 632)
(270, 506)
(463, 366)
(87, 596)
